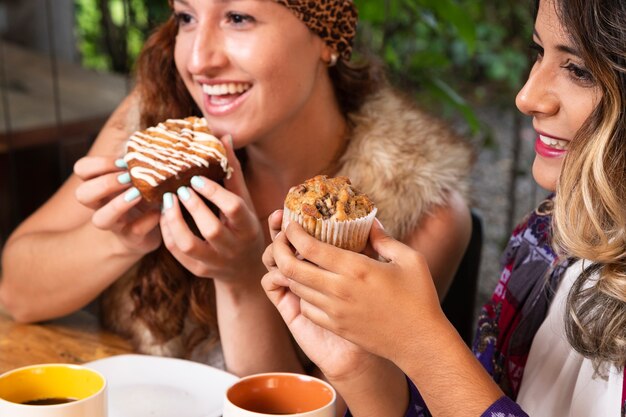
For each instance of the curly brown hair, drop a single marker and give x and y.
(165, 294)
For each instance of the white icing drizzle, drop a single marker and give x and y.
(167, 152)
(146, 175)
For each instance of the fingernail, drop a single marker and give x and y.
(229, 138)
(123, 178)
(197, 182)
(183, 193)
(168, 201)
(120, 163)
(131, 194)
(379, 223)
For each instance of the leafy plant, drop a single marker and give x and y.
(112, 32)
(448, 51)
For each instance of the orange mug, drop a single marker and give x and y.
(278, 393)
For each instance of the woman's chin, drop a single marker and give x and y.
(546, 175)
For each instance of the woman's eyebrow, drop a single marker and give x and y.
(561, 47)
(568, 49)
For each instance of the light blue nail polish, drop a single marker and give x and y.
(120, 163)
(183, 193)
(123, 178)
(168, 201)
(197, 182)
(131, 194)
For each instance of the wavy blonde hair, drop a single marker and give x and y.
(590, 207)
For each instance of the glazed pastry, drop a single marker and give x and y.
(162, 158)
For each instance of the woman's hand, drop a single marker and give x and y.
(274, 223)
(134, 225)
(355, 373)
(377, 305)
(232, 243)
(336, 357)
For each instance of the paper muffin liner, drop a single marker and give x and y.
(346, 234)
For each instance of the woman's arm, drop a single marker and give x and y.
(372, 386)
(57, 261)
(253, 337)
(390, 309)
(442, 237)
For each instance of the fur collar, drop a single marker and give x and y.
(404, 159)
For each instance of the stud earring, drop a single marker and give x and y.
(333, 60)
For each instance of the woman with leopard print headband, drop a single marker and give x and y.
(261, 71)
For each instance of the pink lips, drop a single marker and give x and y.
(546, 151)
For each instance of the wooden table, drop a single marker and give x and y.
(77, 338)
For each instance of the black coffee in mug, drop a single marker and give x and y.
(49, 401)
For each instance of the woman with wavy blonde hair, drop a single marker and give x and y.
(590, 208)
(552, 339)
(277, 79)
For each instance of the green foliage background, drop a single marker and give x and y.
(448, 52)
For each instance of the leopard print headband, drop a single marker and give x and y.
(332, 20)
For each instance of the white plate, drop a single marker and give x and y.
(153, 386)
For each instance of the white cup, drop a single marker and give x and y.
(53, 390)
(278, 393)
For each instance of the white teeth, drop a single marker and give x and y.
(554, 143)
(223, 89)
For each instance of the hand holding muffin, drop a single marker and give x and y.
(335, 212)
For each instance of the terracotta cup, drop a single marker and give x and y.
(283, 394)
(53, 390)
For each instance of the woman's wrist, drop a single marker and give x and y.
(247, 283)
(240, 292)
(447, 374)
(376, 387)
(361, 368)
(111, 242)
(435, 333)
(419, 336)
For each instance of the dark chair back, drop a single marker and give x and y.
(460, 301)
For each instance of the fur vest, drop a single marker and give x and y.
(404, 159)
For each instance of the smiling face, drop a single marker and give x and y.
(560, 95)
(252, 67)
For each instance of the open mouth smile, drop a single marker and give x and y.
(554, 143)
(223, 98)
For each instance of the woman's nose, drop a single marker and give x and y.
(208, 53)
(538, 96)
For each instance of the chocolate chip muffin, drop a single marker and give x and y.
(162, 158)
(332, 210)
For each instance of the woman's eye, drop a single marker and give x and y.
(537, 50)
(579, 73)
(239, 18)
(183, 18)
